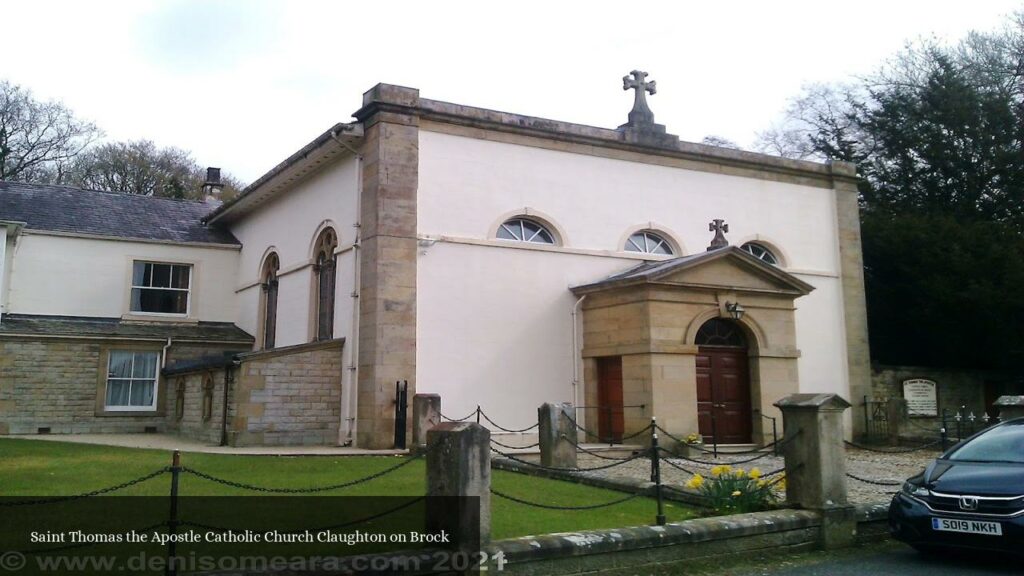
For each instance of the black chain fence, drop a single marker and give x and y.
(618, 462)
(89, 494)
(654, 454)
(930, 445)
(311, 490)
(560, 507)
(874, 482)
(510, 447)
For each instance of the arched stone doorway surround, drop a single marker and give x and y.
(649, 317)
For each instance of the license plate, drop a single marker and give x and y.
(967, 526)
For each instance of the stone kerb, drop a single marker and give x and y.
(816, 462)
(556, 431)
(459, 466)
(1010, 407)
(426, 413)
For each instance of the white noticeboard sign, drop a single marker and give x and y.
(921, 397)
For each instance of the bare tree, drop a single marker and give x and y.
(823, 122)
(140, 167)
(721, 142)
(37, 139)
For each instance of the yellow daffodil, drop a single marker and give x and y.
(696, 482)
(736, 493)
(755, 473)
(721, 469)
(740, 472)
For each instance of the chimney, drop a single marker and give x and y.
(213, 186)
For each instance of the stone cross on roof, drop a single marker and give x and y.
(640, 114)
(718, 226)
(641, 129)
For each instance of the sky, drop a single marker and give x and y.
(243, 84)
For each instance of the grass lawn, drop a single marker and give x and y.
(44, 468)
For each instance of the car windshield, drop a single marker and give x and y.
(1003, 443)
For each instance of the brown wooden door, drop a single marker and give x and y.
(723, 389)
(610, 421)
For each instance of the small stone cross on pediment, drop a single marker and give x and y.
(718, 226)
(637, 80)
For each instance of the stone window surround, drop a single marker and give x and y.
(677, 247)
(526, 213)
(179, 399)
(326, 241)
(525, 230)
(189, 316)
(261, 316)
(101, 381)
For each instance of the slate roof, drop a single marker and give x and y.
(208, 362)
(80, 326)
(76, 211)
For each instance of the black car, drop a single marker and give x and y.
(970, 497)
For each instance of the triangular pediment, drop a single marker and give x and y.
(728, 268)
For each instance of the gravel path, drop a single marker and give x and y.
(892, 467)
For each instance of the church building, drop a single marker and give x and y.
(495, 259)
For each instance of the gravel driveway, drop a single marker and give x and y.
(889, 467)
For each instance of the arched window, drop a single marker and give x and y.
(720, 332)
(179, 399)
(325, 271)
(761, 252)
(268, 281)
(207, 398)
(648, 242)
(525, 230)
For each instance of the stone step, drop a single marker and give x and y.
(732, 448)
(615, 450)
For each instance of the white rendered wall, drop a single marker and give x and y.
(289, 225)
(67, 276)
(3, 269)
(494, 322)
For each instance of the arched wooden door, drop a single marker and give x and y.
(723, 383)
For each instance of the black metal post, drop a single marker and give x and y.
(867, 419)
(942, 432)
(171, 569)
(401, 413)
(714, 433)
(654, 466)
(611, 433)
(775, 439)
(477, 413)
(656, 471)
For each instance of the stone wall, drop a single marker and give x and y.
(59, 384)
(193, 419)
(651, 549)
(955, 388)
(288, 396)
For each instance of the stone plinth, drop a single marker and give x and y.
(816, 462)
(556, 429)
(1010, 407)
(426, 413)
(459, 465)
